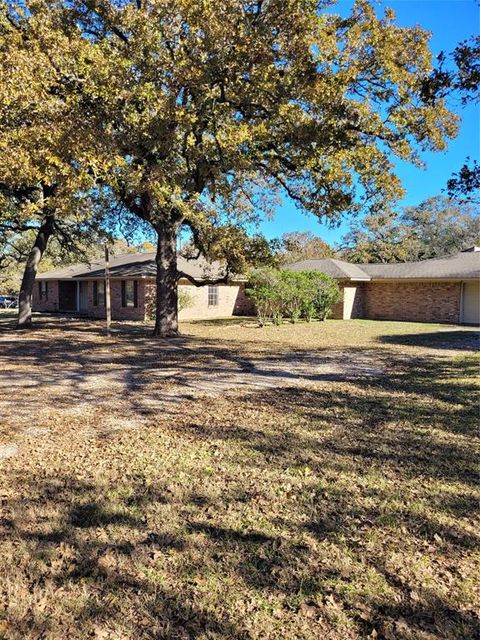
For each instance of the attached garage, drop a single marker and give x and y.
(471, 303)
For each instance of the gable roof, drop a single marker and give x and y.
(464, 265)
(135, 265)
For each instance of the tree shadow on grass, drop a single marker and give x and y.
(103, 558)
(460, 340)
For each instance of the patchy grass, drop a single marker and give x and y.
(299, 482)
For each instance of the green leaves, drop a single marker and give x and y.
(292, 294)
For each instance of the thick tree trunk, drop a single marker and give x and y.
(166, 319)
(26, 290)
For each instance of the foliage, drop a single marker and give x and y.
(462, 79)
(232, 246)
(203, 113)
(292, 294)
(437, 227)
(296, 246)
(465, 185)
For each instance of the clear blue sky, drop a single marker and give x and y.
(450, 22)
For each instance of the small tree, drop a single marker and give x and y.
(292, 294)
(326, 294)
(265, 293)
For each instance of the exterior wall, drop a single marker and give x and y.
(45, 305)
(351, 303)
(413, 301)
(119, 312)
(232, 301)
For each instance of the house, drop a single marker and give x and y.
(437, 290)
(80, 289)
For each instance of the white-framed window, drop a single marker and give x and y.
(212, 295)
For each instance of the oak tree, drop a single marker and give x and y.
(207, 108)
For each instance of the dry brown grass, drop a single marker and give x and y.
(300, 482)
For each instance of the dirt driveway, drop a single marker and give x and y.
(70, 366)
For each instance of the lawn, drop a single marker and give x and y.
(296, 482)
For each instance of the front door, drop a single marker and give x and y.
(82, 297)
(67, 295)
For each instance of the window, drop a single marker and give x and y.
(129, 293)
(212, 295)
(99, 293)
(43, 290)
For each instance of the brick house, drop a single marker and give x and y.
(80, 289)
(437, 290)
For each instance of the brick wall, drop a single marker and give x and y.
(50, 304)
(232, 300)
(119, 312)
(351, 303)
(413, 301)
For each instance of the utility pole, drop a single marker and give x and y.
(108, 308)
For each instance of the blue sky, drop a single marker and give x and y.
(450, 22)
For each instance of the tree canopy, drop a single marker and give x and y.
(302, 245)
(202, 113)
(436, 227)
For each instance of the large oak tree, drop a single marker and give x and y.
(207, 106)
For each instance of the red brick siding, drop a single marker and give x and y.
(413, 301)
(125, 313)
(118, 312)
(45, 305)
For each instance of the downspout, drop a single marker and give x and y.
(462, 294)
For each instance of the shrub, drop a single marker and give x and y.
(292, 294)
(265, 292)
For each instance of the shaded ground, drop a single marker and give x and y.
(310, 481)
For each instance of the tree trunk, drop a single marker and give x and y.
(166, 317)
(26, 290)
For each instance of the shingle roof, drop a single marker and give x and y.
(134, 265)
(338, 269)
(461, 266)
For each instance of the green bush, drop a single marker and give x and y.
(279, 294)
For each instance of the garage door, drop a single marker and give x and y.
(471, 303)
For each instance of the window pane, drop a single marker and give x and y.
(101, 292)
(130, 293)
(212, 295)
